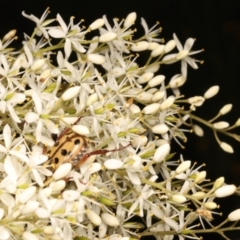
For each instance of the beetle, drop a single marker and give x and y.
(71, 147)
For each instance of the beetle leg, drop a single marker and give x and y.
(98, 152)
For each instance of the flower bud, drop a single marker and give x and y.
(221, 125)
(96, 24)
(153, 45)
(157, 80)
(226, 147)
(110, 220)
(170, 46)
(218, 183)
(167, 103)
(57, 186)
(161, 153)
(107, 37)
(113, 164)
(212, 91)
(144, 97)
(160, 129)
(178, 198)
(38, 64)
(183, 166)
(197, 100)
(70, 93)
(96, 58)
(80, 129)
(145, 77)
(158, 96)
(200, 177)
(92, 99)
(234, 216)
(210, 205)
(198, 130)
(157, 51)
(199, 195)
(130, 19)
(152, 108)
(93, 217)
(177, 81)
(62, 171)
(9, 35)
(140, 46)
(134, 109)
(237, 122)
(225, 109)
(225, 191)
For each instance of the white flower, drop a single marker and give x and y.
(72, 36)
(35, 117)
(8, 100)
(183, 55)
(35, 164)
(41, 23)
(143, 195)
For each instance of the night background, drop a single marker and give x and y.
(216, 27)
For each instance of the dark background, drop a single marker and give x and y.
(215, 25)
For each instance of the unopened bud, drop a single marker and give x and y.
(198, 130)
(167, 103)
(210, 205)
(146, 77)
(110, 220)
(62, 171)
(235, 215)
(225, 109)
(96, 58)
(157, 51)
(160, 129)
(218, 183)
(130, 19)
(179, 198)
(161, 153)
(107, 37)
(158, 96)
(9, 35)
(93, 217)
(140, 46)
(221, 125)
(225, 191)
(183, 166)
(152, 108)
(212, 91)
(169, 46)
(157, 80)
(71, 93)
(226, 147)
(97, 24)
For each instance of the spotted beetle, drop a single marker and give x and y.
(71, 147)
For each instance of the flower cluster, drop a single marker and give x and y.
(85, 136)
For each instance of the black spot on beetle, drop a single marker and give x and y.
(64, 152)
(56, 160)
(49, 152)
(77, 142)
